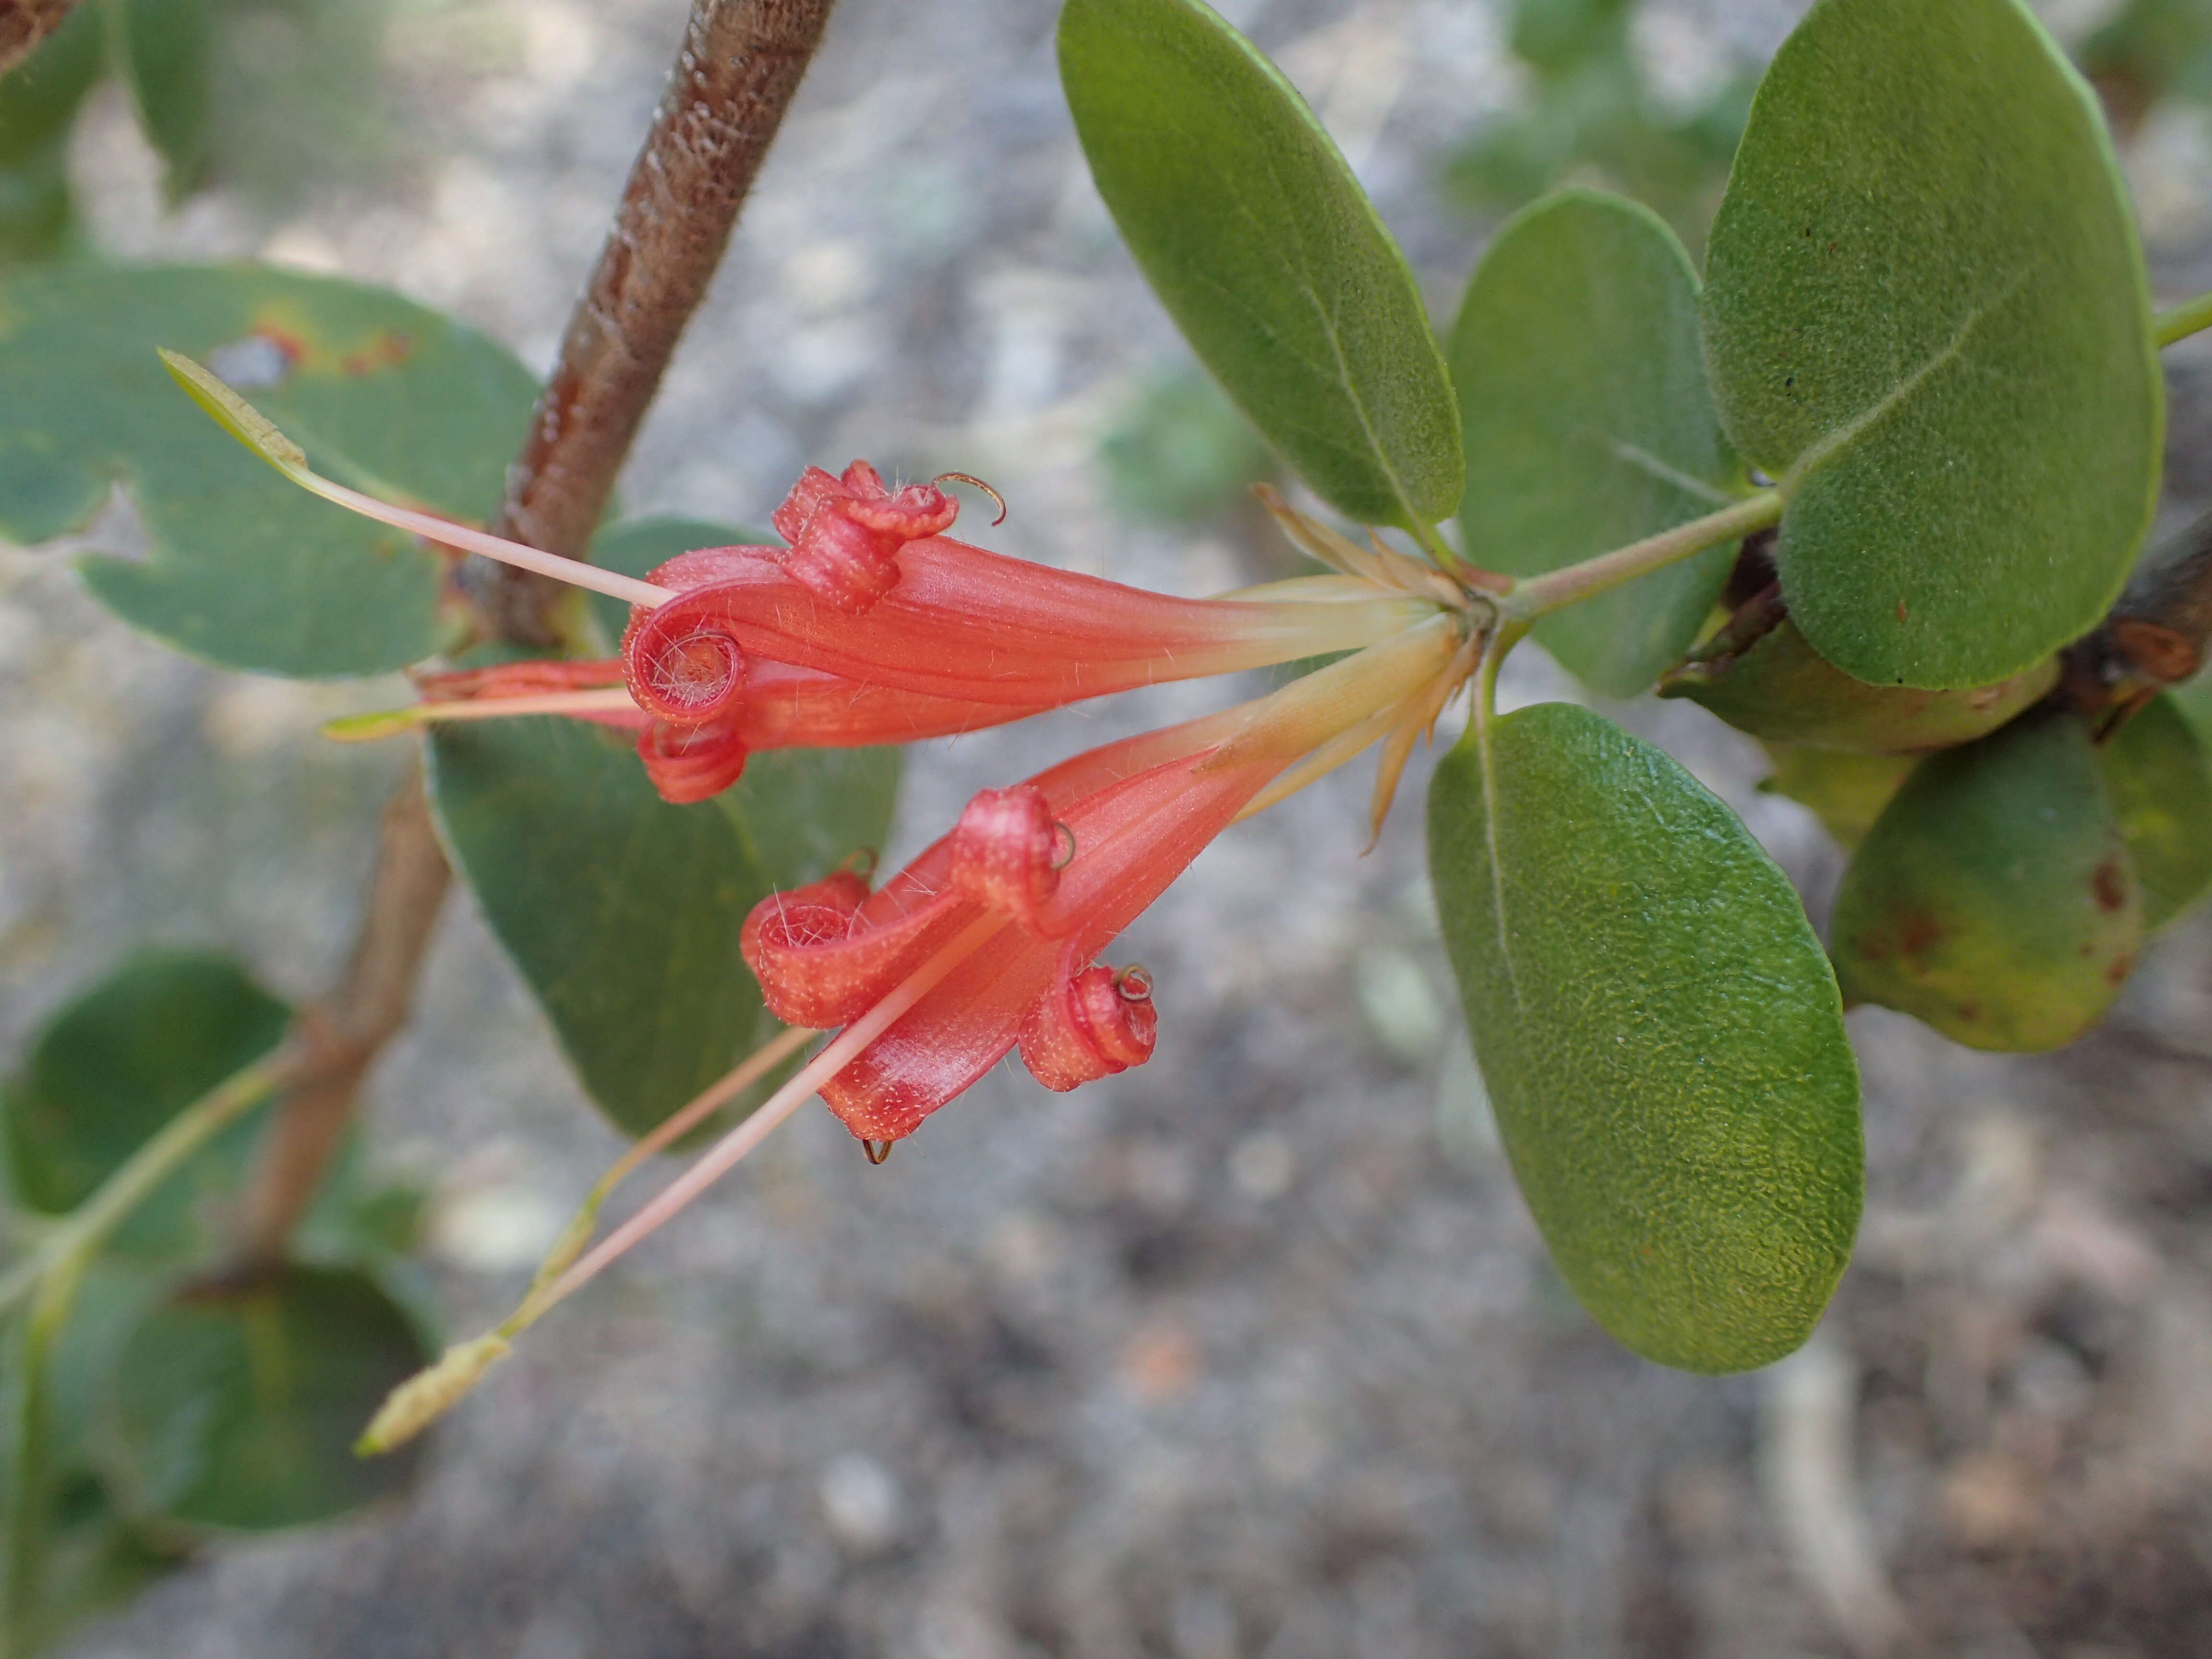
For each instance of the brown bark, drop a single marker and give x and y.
(740, 63)
(24, 23)
(2155, 635)
(342, 1035)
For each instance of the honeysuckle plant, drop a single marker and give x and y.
(1873, 487)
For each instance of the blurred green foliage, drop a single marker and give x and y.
(2152, 49)
(1179, 452)
(1595, 117)
(262, 94)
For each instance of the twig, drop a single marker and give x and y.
(2157, 633)
(340, 1037)
(740, 62)
(24, 23)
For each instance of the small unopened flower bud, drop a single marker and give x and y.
(1008, 853)
(1090, 1025)
(846, 533)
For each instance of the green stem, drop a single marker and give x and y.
(27, 1501)
(1542, 595)
(1433, 544)
(2182, 321)
(72, 1244)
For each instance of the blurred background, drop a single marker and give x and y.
(1252, 1351)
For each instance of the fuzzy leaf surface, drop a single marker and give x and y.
(1926, 316)
(1993, 899)
(1589, 425)
(243, 568)
(1266, 251)
(1659, 1034)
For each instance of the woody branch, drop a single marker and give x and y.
(733, 77)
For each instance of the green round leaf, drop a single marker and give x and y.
(239, 1410)
(243, 568)
(117, 1063)
(1926, 315)
(2161, 791)
(1660, 1035)
(622, 912)
(1780, 688)
(1581, 386)
(1993, 898)
(1266, 251)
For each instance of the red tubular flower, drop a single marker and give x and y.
(1135, 812)
(871, 627)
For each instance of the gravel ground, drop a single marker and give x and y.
(1253, 1351)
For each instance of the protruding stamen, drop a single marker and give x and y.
(259, 433)
(1008, 852)
(1090, 1024)
(878, 1150)
(997, 499)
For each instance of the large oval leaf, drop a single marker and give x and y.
(1581, 386)
(2161, 791)
(115, 1065)
(239, 1409)
(243, 568)
(1993, 898)
(1660, 1033)
(1266, 251)
(1779, 689)
(1926, 315)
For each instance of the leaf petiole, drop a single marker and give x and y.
(1542, 595)
(2179, 322)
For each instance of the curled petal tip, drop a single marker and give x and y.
(689, 764)
(1089, 1024)
(1008, 852)
(846, 533)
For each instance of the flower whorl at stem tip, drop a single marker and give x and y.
(1008, 852)
(846, 533)
(1089, 1024)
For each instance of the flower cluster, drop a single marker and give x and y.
(870, 625)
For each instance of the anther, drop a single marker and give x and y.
(878, 1150)
(861, 861)
(1064, 838)
(1134, 982)
(997, 499)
